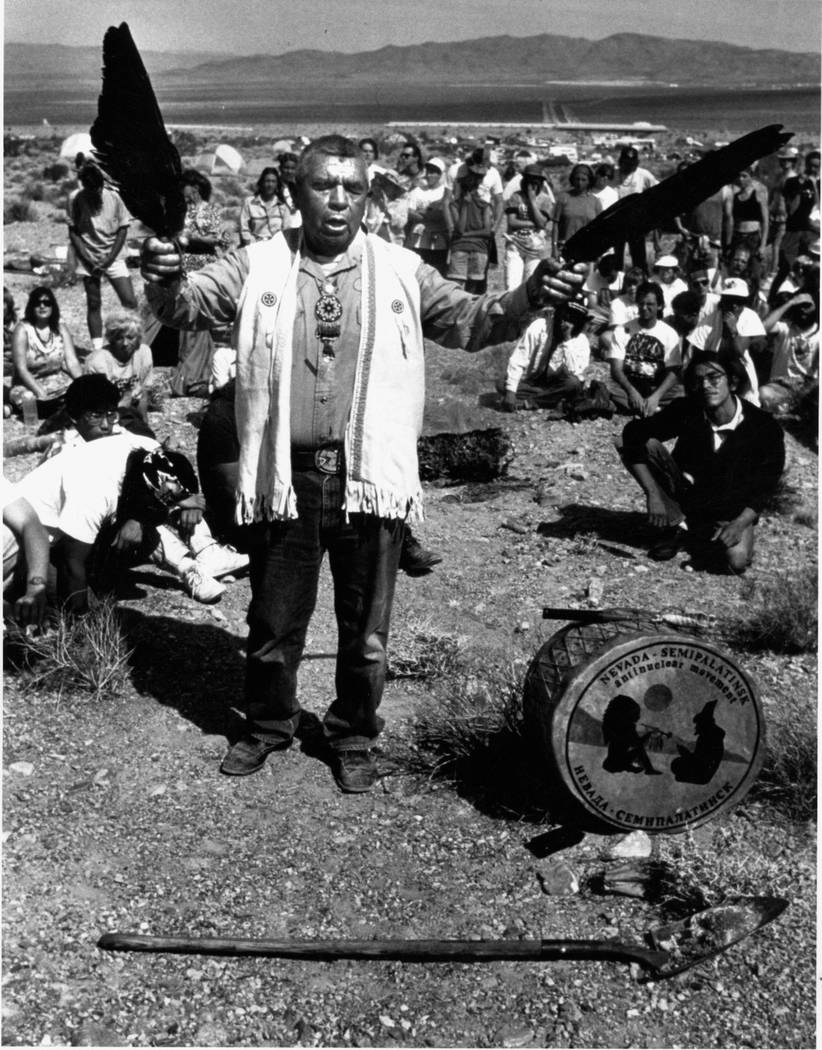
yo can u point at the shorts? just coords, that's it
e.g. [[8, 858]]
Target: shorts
[[117, 269], [467, 265]]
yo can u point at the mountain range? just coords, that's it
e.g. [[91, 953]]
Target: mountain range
[[485, 62]]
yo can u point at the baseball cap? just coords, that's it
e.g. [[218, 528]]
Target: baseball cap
[[734, 288], [436, 162], [666, 262]]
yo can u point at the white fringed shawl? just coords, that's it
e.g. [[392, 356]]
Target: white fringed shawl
[[382, 476]]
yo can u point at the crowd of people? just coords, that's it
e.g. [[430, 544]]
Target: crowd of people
[[303, 323]]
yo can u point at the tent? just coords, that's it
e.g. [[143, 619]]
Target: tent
[[74, 144], [227, 161]]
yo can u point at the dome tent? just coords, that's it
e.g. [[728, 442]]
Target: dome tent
[[77, 143], [227, 161]]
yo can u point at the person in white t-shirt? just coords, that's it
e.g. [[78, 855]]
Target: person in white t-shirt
[[666, 274], [645, 358], [733, 326], [631, 178], [522, 158], [794, 373], [543, 371], [604, 189], [622, 308]]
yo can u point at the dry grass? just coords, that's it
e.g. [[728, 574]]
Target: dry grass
[[782, 616], [87, 655], [417, 651]]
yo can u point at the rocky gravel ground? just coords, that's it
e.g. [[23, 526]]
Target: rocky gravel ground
[[115, 817]]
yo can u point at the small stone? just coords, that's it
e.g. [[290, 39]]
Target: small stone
[[641, 568], [23, 769], [569, 1012], [387, 1022], [558, 879], [636, 844], [92, 1034], [211, 1034], [514, 1034], [595, 591], [217, 614]]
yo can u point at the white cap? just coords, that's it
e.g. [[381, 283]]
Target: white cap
[[734, 288], [435, 162], [666, 262]]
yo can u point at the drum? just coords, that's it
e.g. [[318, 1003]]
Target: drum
[[642, 730]]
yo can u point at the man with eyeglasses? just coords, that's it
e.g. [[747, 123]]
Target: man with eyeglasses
[[728, 458]]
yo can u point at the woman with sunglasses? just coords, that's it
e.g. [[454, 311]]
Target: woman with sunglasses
[[43, 356]]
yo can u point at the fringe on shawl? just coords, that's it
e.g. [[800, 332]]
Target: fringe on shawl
[[363, 497], [279, 505]]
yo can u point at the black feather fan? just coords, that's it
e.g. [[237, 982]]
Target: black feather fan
[[641, 212], [130, 139]]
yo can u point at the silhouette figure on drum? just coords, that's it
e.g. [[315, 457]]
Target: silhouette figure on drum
[[698, 765], [626, 746]]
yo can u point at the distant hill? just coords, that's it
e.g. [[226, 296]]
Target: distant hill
[[503, 60], [27, 65]]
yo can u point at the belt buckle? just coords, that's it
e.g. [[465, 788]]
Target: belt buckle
[[327, 460]]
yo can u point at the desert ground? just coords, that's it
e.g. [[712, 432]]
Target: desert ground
[[116, 818]]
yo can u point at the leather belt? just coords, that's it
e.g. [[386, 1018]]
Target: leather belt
[[329, 460]]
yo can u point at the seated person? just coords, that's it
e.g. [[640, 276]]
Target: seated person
[[683, 319], [602, 285], [735, 327], [125, 360], [553, 368], [43, 356], [218, 454], [727, 460], [25, 560], [195, 558], [622, 308], [794, 371], [644, 357], [666, 274]]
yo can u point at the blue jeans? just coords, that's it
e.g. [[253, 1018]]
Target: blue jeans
[[363, 555]]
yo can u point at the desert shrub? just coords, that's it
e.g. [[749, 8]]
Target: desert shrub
[[19, 210], [185, 141], [479, 455], [782, 616], [55, 172], [787, 781], [472, 734], [33, 190], [418, 651], [85, 654]]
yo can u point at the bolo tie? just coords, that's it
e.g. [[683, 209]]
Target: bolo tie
[[328, 313]]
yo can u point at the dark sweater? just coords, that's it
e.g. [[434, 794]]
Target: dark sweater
[[743, 473]]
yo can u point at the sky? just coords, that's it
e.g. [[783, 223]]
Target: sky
[[275, 26]]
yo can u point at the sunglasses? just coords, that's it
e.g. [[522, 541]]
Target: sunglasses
[[42, 302], [408, 154], [700, 280]]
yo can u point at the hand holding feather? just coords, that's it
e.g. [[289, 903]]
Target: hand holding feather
[[553, 283], [161, 261]]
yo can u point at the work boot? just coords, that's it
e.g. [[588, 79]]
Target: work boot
[[415, 560], [248, 755], [354, 771]]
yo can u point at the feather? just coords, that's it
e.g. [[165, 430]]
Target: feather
[[130, 139], [640, 212]]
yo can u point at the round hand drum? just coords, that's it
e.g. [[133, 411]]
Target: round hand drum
[[652, 732]]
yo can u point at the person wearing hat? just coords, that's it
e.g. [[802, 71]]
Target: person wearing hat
[[548, 363], [666, 273], [528, 214], [794, 372], [735, 327], [631, 178], [428, 231], [473, 218], [725, 465]]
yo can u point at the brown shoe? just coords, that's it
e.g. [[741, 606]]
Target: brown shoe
[[248, 755], [354, 771]]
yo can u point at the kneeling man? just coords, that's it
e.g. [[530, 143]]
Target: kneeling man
[[727, 460]]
